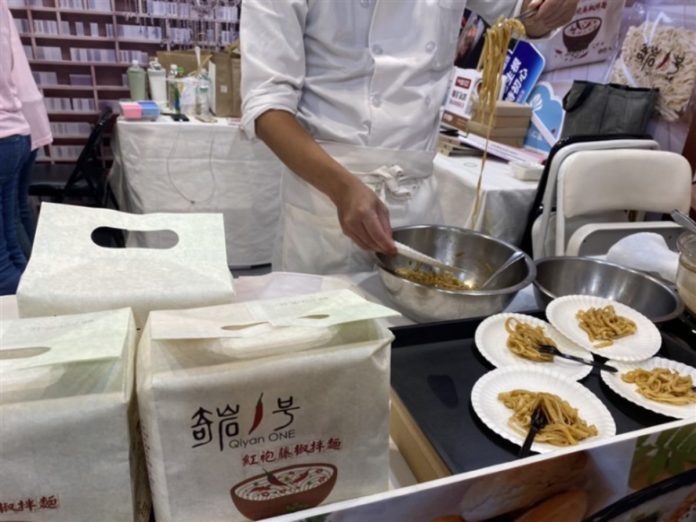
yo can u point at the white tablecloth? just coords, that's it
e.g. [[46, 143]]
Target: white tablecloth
[[164, 166], [505, 200]]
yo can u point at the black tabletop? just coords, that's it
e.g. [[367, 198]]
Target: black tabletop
[[435, 366]]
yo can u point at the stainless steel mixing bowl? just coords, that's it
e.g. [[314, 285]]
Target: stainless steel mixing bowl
[[477, 253], [559, 276]]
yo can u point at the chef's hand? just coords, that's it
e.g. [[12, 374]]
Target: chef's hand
[[551, 15], [364, 218]]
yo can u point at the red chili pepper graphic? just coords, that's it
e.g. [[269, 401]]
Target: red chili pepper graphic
[[664, 60], [258, 415], [272, 479], [301, 477]]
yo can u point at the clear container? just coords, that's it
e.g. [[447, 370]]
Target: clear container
[[686, 273], [203, 94], [158, 83], [172, 89]]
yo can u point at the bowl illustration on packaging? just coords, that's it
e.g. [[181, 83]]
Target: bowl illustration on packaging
[[578, 34], [284, 490]]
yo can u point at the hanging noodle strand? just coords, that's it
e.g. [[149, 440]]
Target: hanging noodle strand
[[491, 63]]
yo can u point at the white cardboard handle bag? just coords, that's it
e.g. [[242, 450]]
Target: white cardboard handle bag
[[255, 409], [69, 445], [69, 273]]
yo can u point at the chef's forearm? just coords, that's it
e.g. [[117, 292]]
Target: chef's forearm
[[300, 153]]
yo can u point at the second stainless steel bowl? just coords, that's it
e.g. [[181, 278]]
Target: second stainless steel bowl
[[559, 276]]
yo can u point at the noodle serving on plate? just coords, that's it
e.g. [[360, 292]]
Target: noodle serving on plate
[[564, 428], [524, 339], [662, 385], [491, 64], [603, 326]]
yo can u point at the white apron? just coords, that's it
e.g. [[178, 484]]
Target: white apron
[[310, 238]]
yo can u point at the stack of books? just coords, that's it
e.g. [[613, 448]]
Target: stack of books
[[510, 124]]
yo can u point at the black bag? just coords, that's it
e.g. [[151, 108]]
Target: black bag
[[599, 109]]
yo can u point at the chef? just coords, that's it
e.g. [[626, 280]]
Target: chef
[[347, 94]]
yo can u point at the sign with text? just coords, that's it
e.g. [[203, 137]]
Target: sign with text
[[547, 118], [459, 107], [523, 66]]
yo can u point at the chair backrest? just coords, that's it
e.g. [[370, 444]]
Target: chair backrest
[[88, 165], [624, 179], [545, 198], [590, 182]]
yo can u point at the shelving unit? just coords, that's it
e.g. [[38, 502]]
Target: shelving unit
[[81, 49]]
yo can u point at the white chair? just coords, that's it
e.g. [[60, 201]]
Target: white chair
[[591, 183], [541, 234]]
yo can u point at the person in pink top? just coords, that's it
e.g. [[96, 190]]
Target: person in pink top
[[15, 149], [34, 111]]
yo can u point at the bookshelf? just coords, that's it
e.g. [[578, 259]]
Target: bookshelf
[[79, 51]]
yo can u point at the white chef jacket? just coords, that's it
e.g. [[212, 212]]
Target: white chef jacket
[[364, 72], [366, 78]]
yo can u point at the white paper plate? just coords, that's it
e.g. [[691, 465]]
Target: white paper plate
[[637, 347], [491, 340], [629, 391], [484, 399]]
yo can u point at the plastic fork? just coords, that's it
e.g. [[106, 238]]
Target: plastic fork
[[538, 421], [552, 350]]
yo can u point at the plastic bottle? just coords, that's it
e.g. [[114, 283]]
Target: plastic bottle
[[203, 94], [136, 81], [186, 86], [172, 89], [158, 83]]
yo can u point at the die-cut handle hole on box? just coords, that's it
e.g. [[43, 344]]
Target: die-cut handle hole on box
[[237, 327], [22, 353], [110, 237]]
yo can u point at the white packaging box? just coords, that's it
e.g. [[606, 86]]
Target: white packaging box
[[191, 273], [70, 440], [212, 404]]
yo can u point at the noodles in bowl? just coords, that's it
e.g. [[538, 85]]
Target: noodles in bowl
[[476, 254], [441, 279]]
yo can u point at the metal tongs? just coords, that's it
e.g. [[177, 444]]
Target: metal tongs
[[529, 12], [419, 256]]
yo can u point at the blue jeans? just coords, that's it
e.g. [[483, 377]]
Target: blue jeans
[[14, 152], [26, 221]]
